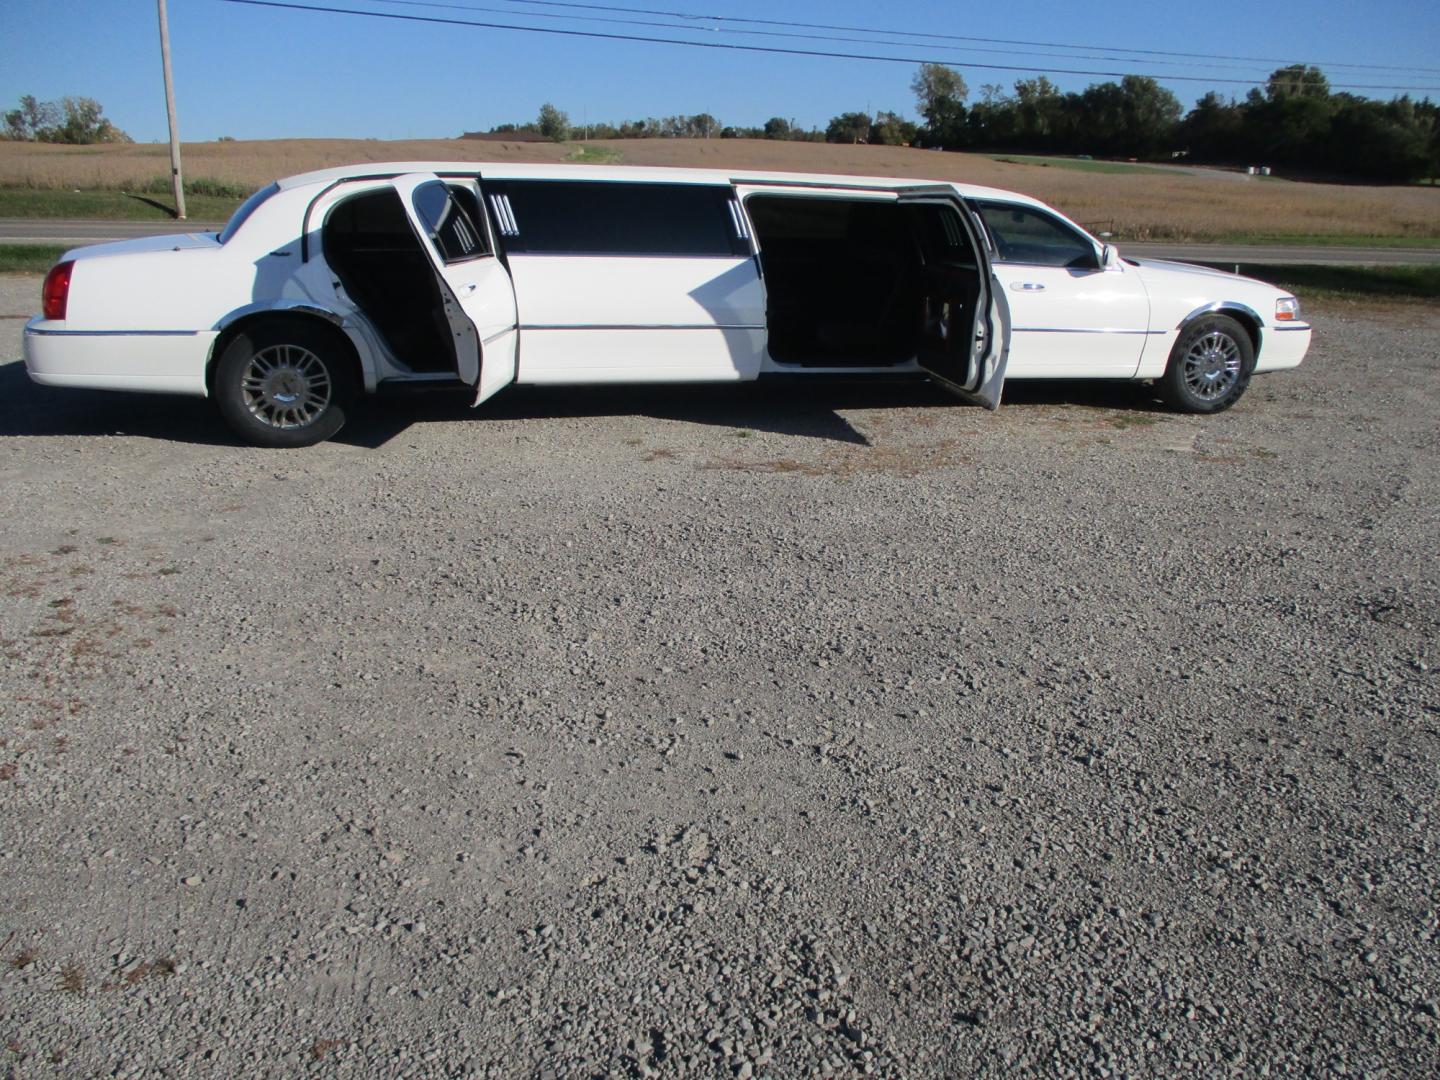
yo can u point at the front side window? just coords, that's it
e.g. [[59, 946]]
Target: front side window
[[1023, 234], [588, 217], [455, 232]]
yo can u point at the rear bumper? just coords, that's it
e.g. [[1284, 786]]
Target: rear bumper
[[167, 362]]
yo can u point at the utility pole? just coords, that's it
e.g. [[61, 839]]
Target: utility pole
[[175, 177]]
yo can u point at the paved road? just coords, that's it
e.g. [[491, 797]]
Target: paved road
[[1287, 254], [59, 231], [21, 231]]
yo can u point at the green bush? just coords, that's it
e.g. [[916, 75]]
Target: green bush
[[219, 189]]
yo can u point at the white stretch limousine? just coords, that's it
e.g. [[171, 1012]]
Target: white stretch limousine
[[336, 282]]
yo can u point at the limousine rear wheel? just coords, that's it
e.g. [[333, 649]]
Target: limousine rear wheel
[[285, 383], [1210, 366]]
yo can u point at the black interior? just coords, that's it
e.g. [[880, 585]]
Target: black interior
[[850, 283], [372, 249], [864, 283]]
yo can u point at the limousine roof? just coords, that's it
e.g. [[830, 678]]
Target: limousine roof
[[632, 174]]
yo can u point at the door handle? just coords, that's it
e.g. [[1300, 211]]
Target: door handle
[[1027, 286], [468, 289]]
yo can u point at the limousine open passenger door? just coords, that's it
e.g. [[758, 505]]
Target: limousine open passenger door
[[476, 293], [965, 339]]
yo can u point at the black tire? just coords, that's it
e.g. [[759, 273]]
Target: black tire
[[1210, 366], [285, 383]]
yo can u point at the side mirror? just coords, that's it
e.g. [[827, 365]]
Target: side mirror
[[1110, 257]]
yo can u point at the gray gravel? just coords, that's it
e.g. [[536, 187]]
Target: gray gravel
[[728, 732]]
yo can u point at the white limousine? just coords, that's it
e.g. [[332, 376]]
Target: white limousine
[[334, 283]]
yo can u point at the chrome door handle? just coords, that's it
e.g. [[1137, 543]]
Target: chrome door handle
[[1027, 286]]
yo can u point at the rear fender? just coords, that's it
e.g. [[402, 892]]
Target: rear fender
[[233, 323]]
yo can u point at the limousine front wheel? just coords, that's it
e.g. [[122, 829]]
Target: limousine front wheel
[[1210, 365], [284, 383]]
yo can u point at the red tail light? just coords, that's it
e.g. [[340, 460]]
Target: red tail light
[[56, 291]]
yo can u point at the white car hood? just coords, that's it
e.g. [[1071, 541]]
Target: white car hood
[[169, 242], [1164, 266]]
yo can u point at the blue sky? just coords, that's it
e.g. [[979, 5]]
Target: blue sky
[[253, 73]]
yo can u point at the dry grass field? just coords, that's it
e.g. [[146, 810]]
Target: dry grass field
[[1179, 205]]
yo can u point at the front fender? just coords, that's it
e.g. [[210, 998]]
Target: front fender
[[1244, 314]]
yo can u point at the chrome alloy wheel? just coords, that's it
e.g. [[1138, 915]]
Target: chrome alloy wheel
[[1212, 366], [286, 386]]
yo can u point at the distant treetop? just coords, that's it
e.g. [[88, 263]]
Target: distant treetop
[[76, 120]]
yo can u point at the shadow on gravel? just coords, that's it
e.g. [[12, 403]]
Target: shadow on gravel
[[29, 410], [803, 411], [1096, 393], [806, 411]]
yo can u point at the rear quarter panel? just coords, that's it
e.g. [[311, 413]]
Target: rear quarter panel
[[157, 290]]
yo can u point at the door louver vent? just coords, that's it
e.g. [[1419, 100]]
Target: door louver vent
[[737, 220], [504, 215]]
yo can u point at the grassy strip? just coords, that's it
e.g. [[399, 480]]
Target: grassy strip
[[214, 202], [110, 205], [1164, 234], [1348, 282], [1316, 240], [594, 155], [29, 258], [1079, 164]]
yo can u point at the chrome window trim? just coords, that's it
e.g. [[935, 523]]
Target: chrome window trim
[[732, 257], [1080, 330], [43, 332], [642, 326]]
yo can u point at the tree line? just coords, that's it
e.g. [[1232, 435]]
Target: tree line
[[76, 120], [1294, 122], [554, 123]]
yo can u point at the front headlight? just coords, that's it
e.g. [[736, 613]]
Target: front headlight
[[1287, 309]]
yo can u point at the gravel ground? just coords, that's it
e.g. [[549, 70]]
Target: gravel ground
[[728, 732]]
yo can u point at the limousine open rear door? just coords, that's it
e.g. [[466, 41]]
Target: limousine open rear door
[[476, 293], [966, 337]]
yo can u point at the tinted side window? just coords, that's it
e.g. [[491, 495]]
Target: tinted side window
[[455, 233], [941, 235], [584, 217], [1023, 234]]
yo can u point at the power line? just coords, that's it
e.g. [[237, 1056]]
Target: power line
[[958, 49], [772, 49], [953, 37]]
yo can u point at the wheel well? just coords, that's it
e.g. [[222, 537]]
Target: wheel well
[[239, 326], [1247, 322]]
